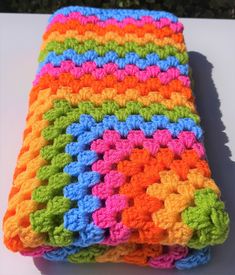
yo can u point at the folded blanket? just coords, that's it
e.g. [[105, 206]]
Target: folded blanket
[[113, 166]]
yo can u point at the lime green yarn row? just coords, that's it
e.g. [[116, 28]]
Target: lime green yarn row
[[207, 218], [121, 50], [64, 114], [49, 219], [52, 174], [88, 255], [41, 220], [131, 108]]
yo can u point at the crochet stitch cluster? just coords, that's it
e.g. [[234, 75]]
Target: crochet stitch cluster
[[112, 166]]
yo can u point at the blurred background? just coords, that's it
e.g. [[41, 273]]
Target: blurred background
[[182, 8]]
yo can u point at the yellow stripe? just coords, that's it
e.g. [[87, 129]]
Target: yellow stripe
[[56, 36]]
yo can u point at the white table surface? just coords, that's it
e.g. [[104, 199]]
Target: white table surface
[[211, 46]]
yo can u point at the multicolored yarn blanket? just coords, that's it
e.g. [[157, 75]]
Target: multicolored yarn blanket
[[112, 166]]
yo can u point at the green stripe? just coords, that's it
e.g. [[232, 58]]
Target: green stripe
[[88, 254], [64, 114], [208, 218], [121, 50]]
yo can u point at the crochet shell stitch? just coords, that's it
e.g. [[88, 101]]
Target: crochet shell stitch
[[113, 166]]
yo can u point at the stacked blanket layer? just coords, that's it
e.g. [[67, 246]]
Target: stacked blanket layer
[[112, 166]]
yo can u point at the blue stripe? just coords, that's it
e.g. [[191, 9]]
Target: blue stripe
[[194, 259], [118, 14], [111, 56], [88, 129], [61, 254]]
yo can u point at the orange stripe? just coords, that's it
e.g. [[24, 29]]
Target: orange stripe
[[139, 31], [110, 81]]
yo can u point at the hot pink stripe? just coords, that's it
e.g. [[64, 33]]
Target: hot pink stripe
[[176, 27], [122, 148], [168, 259], [106, 217], [111, 68], [38, 252]]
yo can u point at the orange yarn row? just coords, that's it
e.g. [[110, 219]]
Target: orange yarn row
[[110, 81], [82, 29], [20, 204]]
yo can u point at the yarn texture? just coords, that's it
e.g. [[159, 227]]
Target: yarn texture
[[113, 166]]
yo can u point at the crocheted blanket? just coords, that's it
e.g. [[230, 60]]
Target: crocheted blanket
[[113, 166]]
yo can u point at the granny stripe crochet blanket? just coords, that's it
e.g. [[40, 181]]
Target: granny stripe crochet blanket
[[112, 166]]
